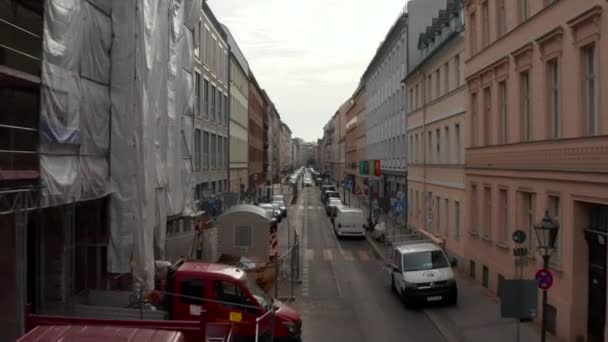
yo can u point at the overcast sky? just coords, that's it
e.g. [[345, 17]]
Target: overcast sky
[[308, 55]]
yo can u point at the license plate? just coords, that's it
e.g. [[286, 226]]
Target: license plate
[[433, 298]]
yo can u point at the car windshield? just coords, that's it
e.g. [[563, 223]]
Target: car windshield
[[427, 260], [260, 296]]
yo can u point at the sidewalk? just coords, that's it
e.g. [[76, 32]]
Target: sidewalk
[[477, 316]]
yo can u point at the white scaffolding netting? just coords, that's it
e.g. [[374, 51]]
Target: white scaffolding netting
[[116, 117]]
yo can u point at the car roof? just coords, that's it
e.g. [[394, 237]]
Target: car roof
[[195, 266], [417, 247], [346, 209], [335, 199]]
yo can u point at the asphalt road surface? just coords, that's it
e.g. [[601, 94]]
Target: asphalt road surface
[[345, 293]]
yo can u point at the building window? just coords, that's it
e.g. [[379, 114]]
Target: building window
[[527, 217], [487, 219], [212, 102], [504, 216], [411, 147], [446, 218], [524, 10], [438, 213], [457, 220], [590, 89], [554, 212], [213, 151], [472, 268], [437, 83], [429, 88], [457, 71], [502, 18], [417, 149], [447, 145], [438, 145], [473, 33], [429, 152], [474, 130], [526, 115], [411, 105], [197, 149], [554, 110], [502, 107], [417, 203], [474, 208], [485, 276], [487, 120], [206, 150], [485, 22], [218, 113], [197, 37], [446, 77], [206, 97], [458, 145], [197, 92]]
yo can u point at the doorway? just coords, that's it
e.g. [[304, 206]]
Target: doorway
[[596, 235]]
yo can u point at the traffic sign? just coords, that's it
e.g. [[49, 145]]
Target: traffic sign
[[357, 190], [544, 279], [519, 236]]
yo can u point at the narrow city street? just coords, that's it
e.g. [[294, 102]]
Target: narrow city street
[[344, 294]]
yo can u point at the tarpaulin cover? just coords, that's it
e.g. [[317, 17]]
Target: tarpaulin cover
[[117, 106]]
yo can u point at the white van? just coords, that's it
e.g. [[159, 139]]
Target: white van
[[349, 221], [421, 272]]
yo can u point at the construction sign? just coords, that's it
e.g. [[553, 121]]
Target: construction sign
[[358, 190]]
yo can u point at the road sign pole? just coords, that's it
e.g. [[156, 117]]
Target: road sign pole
[[543, 331]]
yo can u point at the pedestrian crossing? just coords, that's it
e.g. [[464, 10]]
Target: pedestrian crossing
[[330, 254], [311, 207]]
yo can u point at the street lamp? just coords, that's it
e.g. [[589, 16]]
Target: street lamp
[[546, 234]]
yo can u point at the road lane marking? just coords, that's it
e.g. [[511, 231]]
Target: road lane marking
[[363, 255], [327, 255], [310, 254], [348, 256]]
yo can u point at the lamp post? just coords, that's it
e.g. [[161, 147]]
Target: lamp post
[[546, 234]]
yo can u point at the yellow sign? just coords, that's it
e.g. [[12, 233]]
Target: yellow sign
[[236, 317]]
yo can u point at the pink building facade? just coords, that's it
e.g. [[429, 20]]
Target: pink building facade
[[535, 73]]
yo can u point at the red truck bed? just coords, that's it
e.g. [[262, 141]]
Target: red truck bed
[[192, 331], [53, 333]]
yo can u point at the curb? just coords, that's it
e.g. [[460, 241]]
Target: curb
[[442, 327], [377, 250]]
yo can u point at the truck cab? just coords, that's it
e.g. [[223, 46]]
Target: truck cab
[[224, 294]]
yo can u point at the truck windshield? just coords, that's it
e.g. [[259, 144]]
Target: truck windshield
[[260, 296], [424, 261]]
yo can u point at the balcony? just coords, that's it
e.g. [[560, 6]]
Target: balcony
[[585, 155]]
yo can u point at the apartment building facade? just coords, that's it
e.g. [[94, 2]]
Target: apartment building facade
[[436, 127], [285, 148], [385, 122], [538, 143], [355, 138], [212, 120], [256, 138], [239, 118]]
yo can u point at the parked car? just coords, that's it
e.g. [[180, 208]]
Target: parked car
[[279, 198], [327, 194], [273, 210], [348, 221], [307, 182], [282, 207], [421, 272], [331, 205]]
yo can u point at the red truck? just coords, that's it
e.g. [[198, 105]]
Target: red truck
[[199, 295]]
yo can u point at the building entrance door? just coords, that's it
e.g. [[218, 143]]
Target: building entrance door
[[596, 236]]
